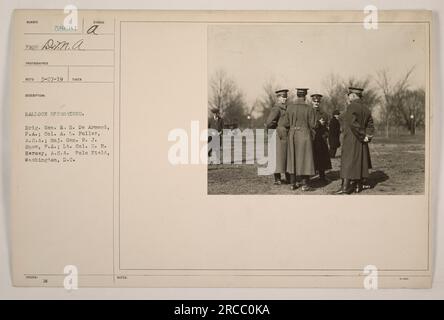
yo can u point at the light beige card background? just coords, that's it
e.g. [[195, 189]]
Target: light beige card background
[[130, 218]]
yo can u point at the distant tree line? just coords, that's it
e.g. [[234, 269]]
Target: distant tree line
[[396, 107]]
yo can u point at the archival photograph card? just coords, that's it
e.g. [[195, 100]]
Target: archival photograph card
[[221, 149]]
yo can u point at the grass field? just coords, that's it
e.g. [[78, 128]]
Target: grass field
[[398, 168]]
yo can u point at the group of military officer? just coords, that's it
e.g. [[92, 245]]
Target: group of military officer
[[302, 132]]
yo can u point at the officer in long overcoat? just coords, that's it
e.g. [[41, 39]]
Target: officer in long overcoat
[[301, 120], [334, 132], [358, 130], [321, 153], [275, 121]]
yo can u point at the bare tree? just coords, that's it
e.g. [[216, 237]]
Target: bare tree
[[335, 94], [411, 111], [268, 99], [226, 97], [252, 112], [221, 88], [265, 102], [392, 95]]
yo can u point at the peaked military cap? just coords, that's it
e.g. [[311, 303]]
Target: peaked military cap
[[301, 91], [358, 91], [282, 93], [316, 96]]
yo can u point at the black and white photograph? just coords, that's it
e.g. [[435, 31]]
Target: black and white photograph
[[244, 153], [343, 103]]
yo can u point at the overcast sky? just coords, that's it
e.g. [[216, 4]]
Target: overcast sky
[[305, 55]]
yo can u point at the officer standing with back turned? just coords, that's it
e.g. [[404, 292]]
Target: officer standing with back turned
[[301, 120], [358, 130], [275, 121]]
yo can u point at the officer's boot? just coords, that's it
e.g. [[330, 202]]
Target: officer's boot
[[346, 188], [305, 186], [358, 186], [287, 178], [322, 176], [342, 189], [277, 179], [293, 185], [365, 185]]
